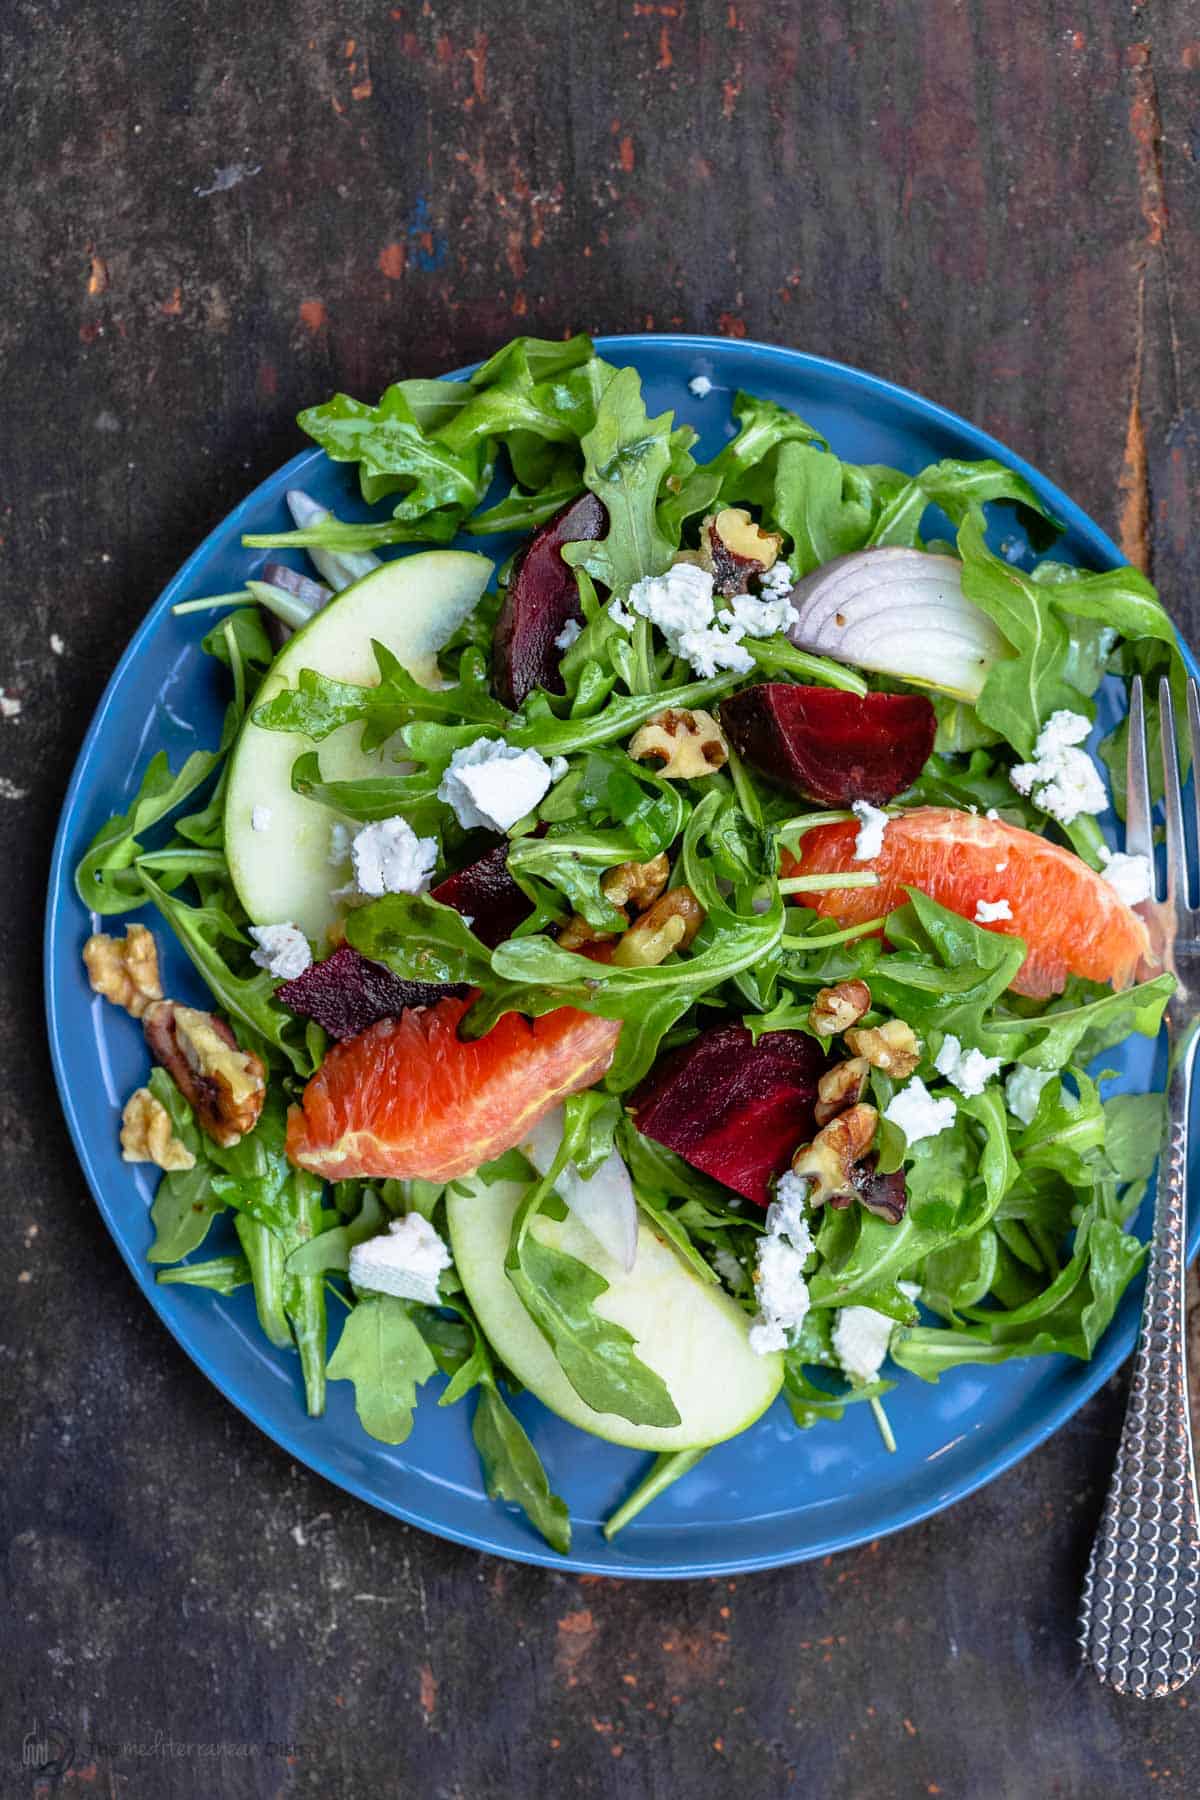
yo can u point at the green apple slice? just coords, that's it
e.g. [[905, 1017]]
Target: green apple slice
[[282, 872], [688, 1331]]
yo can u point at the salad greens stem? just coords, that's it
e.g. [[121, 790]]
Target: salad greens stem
[[773, 654], [822, 884], [824, 940], [664, 1471], [211, 604], [884, 1424]]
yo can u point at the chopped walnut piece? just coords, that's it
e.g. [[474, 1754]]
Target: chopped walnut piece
[[733, 547], [577, 932], [893, 1047], [124, 970], [686, 745], [843, 1086], [147, 1134], [223, 1084], [636, 884], [828, 1162], [837, 1008], [670, 924]]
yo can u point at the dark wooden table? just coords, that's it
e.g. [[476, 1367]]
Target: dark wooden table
[[215, 213]]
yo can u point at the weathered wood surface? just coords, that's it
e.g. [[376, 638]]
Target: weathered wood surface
[[216, 213]]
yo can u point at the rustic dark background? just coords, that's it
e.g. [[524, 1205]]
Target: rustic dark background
[[217, 212]]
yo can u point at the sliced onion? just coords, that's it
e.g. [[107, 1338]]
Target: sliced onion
[[604, 1203], [339, 567], [898, 612], [312, 595]]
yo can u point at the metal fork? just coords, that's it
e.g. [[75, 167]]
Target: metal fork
[[1139, 1622]]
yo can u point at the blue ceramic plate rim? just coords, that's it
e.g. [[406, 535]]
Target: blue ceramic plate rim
[[1046, 1419]]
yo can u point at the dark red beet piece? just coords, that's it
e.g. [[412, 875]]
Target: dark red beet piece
[[541, 596], [347, 992], [732, 1108], [487, 894], [830, 746]]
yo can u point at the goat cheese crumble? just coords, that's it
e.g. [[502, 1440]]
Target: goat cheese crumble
[[872, 822], [406, 1261], [260, 818], [776, 582], [681, 604], [862, 1337], [917, 1114], [568, 634], [783, 1250], [283, 950], [1023, 1090], [1062, 779], [988, 911], [701, 386], [1130, 875], [491, 784], [968, 1070], [389, 858]]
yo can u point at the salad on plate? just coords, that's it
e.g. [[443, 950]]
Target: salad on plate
[[666, 972]]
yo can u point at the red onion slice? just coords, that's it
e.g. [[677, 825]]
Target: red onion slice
[[898, 612]]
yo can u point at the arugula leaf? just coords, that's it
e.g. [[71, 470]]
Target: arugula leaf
[[221, 1275], [318, 704], [249, 999], [512, 1469], [956, 487], [105, 879], [411, 932], [627, 455], [329, 1251], [384, 1355], [392, 451], [374, 796], [1081, 1023], [666, 1469], [184, 1204]]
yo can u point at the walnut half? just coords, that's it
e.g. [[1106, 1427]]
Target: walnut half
[[837, 1008], [670, 924], [733, 547], [636, 884], [841, 1087], [829, 1161], [147, 1134], [223, 1084], [686, 745], [124, 970], [893, 1047]]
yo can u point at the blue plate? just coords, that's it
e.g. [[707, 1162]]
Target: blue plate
[[769, 1497]]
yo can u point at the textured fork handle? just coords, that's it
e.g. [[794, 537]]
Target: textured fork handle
[[1140, 1617]]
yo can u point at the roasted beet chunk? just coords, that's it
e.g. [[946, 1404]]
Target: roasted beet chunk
[[830, 746], [732, 1108], [347, 992], [541, 597], [486, 894]]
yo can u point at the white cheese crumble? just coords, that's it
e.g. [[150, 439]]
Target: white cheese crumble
[[783, 1298], [680, 603], [862, 1336], [872, 822], [283, 950], [491, 784], [558, 767], [968, 1070], [917, 1114], [988, 911], [260, 818], [991, 813], [405, 1261], [776, 582], [568, 634], [701, 386], [339, 844], [1130, 875], [389, 858], [1062, 779], [1023, 1090], [764, 617]]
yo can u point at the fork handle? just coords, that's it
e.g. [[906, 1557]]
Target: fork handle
[[1140, 1616]]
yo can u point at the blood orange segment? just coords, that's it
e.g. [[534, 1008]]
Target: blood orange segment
[[1071, 919], [408, 1098]]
